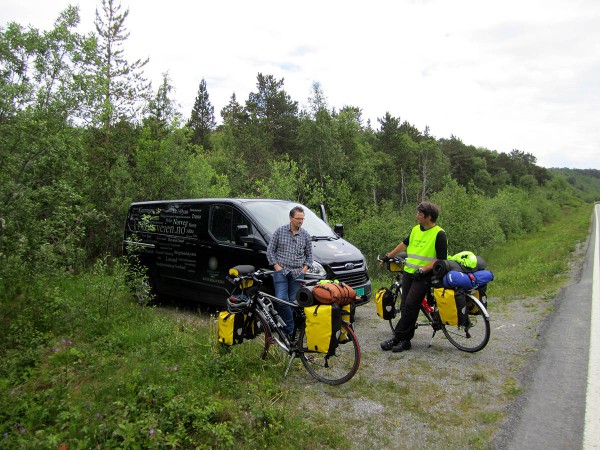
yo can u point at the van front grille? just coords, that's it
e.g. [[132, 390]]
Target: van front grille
[[347, 265], [350, 272], [353, 279]]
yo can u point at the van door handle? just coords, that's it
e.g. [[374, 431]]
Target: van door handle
[[205, 246]]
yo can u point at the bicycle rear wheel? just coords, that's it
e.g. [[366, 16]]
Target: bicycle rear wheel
[[472, 337], [332, 369]]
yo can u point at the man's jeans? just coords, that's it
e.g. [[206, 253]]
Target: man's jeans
[[286, 288]]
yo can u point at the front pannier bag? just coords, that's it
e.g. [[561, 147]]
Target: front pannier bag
[[384, 299], [323, 325], [231, 328], [452, 306]]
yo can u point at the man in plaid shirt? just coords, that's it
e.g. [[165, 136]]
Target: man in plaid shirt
[[290, 254]]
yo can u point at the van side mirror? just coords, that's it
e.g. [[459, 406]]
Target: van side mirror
[[339, 229], [240, 232], [242, 237], [254, 242]]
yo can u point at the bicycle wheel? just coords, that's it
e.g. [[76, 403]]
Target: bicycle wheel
[[332, 369], [397, 300], [471, 337], [257, 337]]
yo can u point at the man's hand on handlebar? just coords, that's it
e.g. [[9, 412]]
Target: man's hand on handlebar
[[383, 259]]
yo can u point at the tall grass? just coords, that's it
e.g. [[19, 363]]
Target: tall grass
[[103, 372], [538, 263]]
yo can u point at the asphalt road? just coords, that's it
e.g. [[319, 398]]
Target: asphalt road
[[560, 406]]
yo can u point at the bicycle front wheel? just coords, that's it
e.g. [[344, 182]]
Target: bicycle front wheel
[[472, 337], [394, 321], [336, 368], [397, 301]]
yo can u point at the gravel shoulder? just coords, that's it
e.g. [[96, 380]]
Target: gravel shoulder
[[434, 395]]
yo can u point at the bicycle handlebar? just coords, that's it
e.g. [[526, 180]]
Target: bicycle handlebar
[[400, 258], [257, 276]]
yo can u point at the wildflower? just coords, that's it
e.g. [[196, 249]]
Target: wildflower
[[151, 432]]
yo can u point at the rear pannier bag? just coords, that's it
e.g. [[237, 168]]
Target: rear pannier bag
[[452, 306], [252, 327], [384, 300], [323, 326], [481, 295], [334, 292], [231, 327]]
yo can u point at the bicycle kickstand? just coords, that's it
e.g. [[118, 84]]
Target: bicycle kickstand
[[292, 357], [432, 336]]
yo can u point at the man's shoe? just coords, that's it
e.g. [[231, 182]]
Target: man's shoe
[[401, 346], [389, 344]]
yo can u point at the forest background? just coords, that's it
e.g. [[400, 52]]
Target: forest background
[[83, 134]]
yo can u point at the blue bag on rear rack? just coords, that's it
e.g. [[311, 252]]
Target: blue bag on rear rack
[[482, 277], [459, 280]]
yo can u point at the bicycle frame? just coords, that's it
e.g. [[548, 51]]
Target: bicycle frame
[[274, 319]]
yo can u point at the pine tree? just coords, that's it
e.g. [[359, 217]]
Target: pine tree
[[202, 120], [162, 111], [122, 86], [274, 114]]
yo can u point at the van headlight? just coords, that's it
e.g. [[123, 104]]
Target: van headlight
[[317, 270]]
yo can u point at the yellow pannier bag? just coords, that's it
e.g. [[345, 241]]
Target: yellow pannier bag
[[348, 312], [480, 294], [323, 325], [231, 327], [451, 307], [384, 301]]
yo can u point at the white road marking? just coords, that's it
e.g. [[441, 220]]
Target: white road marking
[[591, 432]]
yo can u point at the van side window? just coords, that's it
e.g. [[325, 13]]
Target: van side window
[[224, 221]]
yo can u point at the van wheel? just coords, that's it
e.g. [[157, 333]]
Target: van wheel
[[145, 290]]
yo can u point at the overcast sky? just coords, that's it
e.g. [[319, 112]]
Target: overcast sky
[[503, 75]]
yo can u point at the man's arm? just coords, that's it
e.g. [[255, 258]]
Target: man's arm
[[272, 249]]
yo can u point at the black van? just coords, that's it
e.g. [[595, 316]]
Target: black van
[[188, 246]]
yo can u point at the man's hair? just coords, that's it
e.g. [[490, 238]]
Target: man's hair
[[429, 210], [296, 209]]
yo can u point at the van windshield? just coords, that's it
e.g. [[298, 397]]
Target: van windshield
[[274, 214]]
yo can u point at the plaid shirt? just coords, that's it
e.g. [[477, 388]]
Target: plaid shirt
[[290, 251]]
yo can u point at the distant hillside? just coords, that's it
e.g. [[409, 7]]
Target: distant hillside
[[585, 181]]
